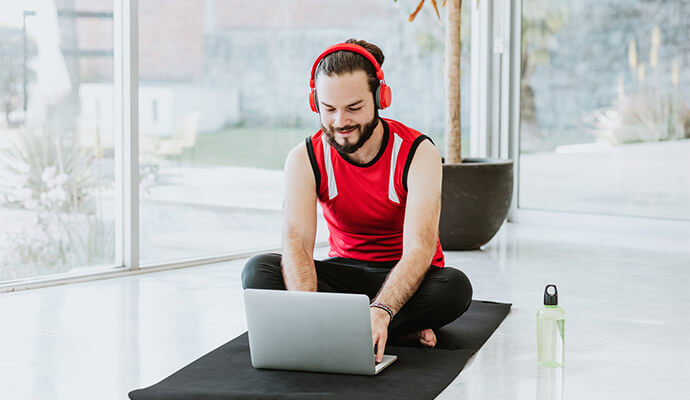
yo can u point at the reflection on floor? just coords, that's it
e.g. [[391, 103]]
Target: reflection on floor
[[627, 303]]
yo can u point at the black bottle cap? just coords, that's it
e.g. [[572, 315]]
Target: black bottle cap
[[550, 299]]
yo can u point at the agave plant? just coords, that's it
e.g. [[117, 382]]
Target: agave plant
[[642, 118], [47, 171], [47, 176]]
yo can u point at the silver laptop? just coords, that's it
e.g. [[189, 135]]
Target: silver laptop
[[311, 331]]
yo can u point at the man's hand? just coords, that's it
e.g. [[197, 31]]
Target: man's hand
[[379, 330]]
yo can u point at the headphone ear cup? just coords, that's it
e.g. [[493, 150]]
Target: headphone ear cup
[[313, 101], [383, 96], [377, 97]]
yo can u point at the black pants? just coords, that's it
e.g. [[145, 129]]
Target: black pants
[[444, 294]]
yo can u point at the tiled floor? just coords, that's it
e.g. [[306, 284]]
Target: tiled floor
[[627, 303]]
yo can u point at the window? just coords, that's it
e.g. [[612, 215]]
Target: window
[[56, 161], [231, 79], [605, 119], [223, 90]]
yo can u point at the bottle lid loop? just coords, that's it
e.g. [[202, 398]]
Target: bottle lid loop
[[551, 299]]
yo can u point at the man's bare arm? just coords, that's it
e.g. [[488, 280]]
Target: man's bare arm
[[299, 222], [420, 231]]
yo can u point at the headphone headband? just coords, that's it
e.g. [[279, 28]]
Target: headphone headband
[[347, 47], [382, 97]]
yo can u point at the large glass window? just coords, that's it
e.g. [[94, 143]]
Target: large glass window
[[223, 98], [56, 154], [605, 119]]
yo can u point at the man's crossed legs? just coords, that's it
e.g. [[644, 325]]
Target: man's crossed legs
[[444, 294]]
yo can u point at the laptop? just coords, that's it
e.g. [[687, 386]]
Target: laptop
[[311, 331]]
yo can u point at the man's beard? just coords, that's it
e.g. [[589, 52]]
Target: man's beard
[[365, 133]]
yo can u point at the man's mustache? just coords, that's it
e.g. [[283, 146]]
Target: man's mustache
[[345, 129]]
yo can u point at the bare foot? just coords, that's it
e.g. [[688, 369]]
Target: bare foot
[[427, 337]]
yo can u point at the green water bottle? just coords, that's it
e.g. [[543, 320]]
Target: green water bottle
[[551, 331]]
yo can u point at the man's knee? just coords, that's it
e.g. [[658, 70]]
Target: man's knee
[[262, 271], [455, 293]]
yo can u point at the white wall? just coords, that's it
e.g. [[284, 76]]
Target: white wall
[[218, 107]]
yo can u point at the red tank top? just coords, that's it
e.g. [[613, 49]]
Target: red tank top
[[364, 205]]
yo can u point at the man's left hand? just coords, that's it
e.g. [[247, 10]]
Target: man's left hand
[[379, 330]]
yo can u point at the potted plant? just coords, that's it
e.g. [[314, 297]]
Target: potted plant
[[476, 192]]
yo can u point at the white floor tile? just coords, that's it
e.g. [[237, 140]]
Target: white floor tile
[[627, 306]]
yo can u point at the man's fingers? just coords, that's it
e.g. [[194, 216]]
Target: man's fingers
[[380, 347], [379, 351], [377, 346]]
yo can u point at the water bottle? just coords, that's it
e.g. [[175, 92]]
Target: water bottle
[[550, 331]]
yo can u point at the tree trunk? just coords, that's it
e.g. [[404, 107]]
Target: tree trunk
[[452, 75]]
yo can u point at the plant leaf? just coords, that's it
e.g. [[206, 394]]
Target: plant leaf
[[414, 14], [433, 3]]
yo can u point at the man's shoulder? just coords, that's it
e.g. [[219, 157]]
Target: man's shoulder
[[314, 138], [405, 132]]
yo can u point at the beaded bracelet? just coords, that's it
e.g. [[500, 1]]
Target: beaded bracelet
[[383, 307]]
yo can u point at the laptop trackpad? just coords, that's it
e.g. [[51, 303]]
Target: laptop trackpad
[[387, 360]]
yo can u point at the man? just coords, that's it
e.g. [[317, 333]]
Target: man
[[379, 185]]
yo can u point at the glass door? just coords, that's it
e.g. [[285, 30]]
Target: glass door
[[605, 108]]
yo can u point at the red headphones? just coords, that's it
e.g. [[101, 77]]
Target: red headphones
[[383, 92]]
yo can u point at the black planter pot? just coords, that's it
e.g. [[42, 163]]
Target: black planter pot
[[475, 200]]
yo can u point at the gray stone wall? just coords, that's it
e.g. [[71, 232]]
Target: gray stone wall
[[588, 56], [270, 68]]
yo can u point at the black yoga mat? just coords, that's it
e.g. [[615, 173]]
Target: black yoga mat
[[419, 372]]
